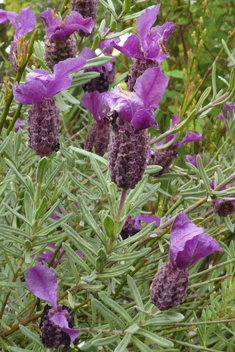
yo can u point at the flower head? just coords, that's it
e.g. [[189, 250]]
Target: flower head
[[87, 9], [223, 207], [56, 323], [26, 23], [137, 108], [132, 225], [150, 42], [228, 108], [189, 243], [60, 30], [40, 84]]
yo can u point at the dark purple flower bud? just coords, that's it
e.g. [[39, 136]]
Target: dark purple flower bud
[[169, 287], [56, 326], [188, 244], [87, 8], [60, 44], [128, 154], [53, 336], [98, 137], [43, 127], [165, 157], [223, 207], [101, 83], [148, 48], [132, 225], [99, 134]]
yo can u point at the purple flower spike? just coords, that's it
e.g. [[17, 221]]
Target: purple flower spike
[[189, 243], [42, 282], [27, 21], [59, 30], [228, 108]]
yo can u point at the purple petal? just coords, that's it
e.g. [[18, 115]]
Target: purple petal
[[131, 47], [221, 116], [85, 24], [190, 137], [175, 120], [30, 93], [19, 124], [61, 80], [60, 320], [46, 257], [94, 103], [146, 20], [9, 16], [107, 43], [151, 86], [149, 219], [87, 54], [189, 243], [27, 20], [192, 158], [42, 282], [56, 217], [144, 119]]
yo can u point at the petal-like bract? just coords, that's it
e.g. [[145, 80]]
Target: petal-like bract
[[189, 243], [42, 282]]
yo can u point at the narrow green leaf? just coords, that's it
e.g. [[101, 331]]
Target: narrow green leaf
[[134, 291], [40, 208], [18, 215], [86, 153], [165, 318], [41, 169], [88, 344], [85, 77], [229, 224], [20, 177], [30, 335], [203, 175], [139, 344], [98, 61], [155, 338], [72, 254], [116, 307], [131, 256], [151, 169], [105, 341], [123, 344], [69, 97], [5, 143], [108, 314]]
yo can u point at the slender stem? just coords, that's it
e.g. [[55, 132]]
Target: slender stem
[[17, 79], [56, 251], [197, 347], [14, 118], [64, 7], [217, 153], [96, 331], [24, 322], [212, 268], [122, 202], [209, 281], [80, 44]]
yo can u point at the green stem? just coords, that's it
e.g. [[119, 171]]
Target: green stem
[[217, 153], [56, 251], [193, 346], [213, 268], [122, 202], [209, 281], [14, 118], [17, 79], [63, 7]]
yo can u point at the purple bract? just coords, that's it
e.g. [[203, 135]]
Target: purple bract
[[26, 23], [60, 30], [189, 243], [107, 43], [42, 282], [40, 84]]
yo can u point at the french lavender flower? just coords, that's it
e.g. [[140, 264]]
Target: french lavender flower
[[99, 134], [228, 108], [188, 244], [223, 207], [148, 48], [26, 23], [43, 116], [165, 157], [133, 113], [101, 83], [107, 46], [87, 8], [56, 323], [60, 43], [132, 225]]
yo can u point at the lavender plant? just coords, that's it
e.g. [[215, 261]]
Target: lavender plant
[[90, 210]]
